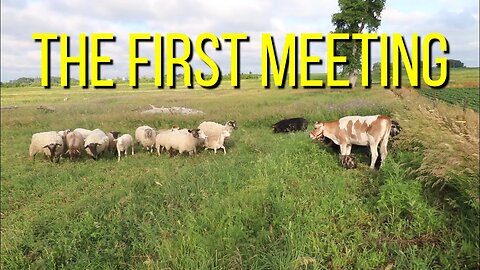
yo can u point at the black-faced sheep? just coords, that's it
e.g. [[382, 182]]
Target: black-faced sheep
[[50, 143], [96, 143]]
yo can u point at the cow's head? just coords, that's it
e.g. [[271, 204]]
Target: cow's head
[[317, 132]]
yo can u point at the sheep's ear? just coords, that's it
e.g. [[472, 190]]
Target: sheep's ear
[[46, 146], [190, 130], [85, 147]]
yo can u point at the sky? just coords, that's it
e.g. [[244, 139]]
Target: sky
[[457, 20]]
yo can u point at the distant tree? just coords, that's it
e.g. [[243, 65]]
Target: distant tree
[[355, 16], [452, 63]]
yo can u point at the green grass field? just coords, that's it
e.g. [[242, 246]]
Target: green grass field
[[275, 201], [455, 96]]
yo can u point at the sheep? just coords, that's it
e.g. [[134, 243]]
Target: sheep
[[84, 132], [145, 136], [49, 142], [123, 143], [215, 142], [181, 141], [96, 143], [74, 142], [161, 140], [214, 130]]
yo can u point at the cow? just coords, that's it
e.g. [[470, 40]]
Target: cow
[[369, 131], [289, 125]]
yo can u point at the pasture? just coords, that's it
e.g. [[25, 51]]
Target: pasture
[[274, 201]]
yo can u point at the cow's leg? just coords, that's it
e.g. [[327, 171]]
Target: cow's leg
[[374, 152], [348, 150], [343, 149]]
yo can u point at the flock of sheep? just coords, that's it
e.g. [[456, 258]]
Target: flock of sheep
[[53, 144]]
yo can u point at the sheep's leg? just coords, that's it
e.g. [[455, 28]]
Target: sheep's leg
[[214, 150], [224, 150], [119, 155]]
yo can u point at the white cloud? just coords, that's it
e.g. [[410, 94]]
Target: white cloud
[[457, 20]]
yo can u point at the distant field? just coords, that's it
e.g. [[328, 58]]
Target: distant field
[[455, 96], [274, 201]]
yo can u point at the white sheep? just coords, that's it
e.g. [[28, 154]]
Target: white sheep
[[145, 136], [83, 131], [96, 143], [216, 142], [212, 129], [181, 141], [49, 142], [123, 143], [75, 143], [162, 138]]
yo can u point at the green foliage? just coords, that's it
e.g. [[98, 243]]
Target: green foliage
[[355, 17], [455, 96], [453, 63]]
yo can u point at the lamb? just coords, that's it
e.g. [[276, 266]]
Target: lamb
[[215, 142], [181, 141], [74, 142], [84, 132], [123, 143], [214, 130], [49, 142], [96, 143], [145, 136]]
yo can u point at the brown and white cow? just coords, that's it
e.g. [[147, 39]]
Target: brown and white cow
[[359, 130]]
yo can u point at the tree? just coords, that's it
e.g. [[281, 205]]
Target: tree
[[355, 16], [453, 63]]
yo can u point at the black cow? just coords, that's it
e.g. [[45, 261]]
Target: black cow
[[395, 129], [290, 125]]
